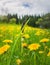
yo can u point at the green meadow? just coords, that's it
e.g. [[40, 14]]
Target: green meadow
[[32, 47]]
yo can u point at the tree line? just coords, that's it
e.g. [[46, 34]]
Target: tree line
[[35, 21]]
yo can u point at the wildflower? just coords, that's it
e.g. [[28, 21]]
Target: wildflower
[[24, 45], [4, 49], [8, 41], [48, 53], [37, 33], [3, 28], [18, 61], [33, 46], [26, 36], [41, 52], [44, 40]]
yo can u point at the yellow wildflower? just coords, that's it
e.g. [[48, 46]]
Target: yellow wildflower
[[3, 28], [18, 61], [48, 53], [24, 45], [37, 33], [8, 41], [26, 35], [34, 46], [44, 40], [4, 49]]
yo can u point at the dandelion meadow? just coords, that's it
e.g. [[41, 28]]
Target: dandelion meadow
[[32, 47], [24, 32]]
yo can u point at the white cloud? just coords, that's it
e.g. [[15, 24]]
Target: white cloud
[[16, 6]]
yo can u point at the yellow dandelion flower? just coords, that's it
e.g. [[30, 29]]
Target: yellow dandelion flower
[[8, 41], [41, 52], [37, 33], [44, 40], [34, 46], [18, 61], [3, 28], [4, 49], [48, 53], [26, 35], [24, 45]]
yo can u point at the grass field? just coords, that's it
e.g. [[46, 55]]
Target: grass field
[[32, 47]]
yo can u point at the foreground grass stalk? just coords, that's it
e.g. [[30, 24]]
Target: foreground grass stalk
[[31, 58], [34, 58], [21, 36], [25, 24], [13, 48], [12, 51], [44, 58]]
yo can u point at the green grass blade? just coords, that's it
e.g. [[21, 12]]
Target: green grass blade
[[12, 51]]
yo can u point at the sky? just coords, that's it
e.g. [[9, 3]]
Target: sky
[[24, 7]]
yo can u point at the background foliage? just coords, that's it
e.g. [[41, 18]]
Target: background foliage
[[35, 21]]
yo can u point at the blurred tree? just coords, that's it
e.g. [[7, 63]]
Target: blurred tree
[[44, 21], [3, 19], [13, 21]]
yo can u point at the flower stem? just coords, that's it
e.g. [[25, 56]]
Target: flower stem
[[44, 58], [34, 58]]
